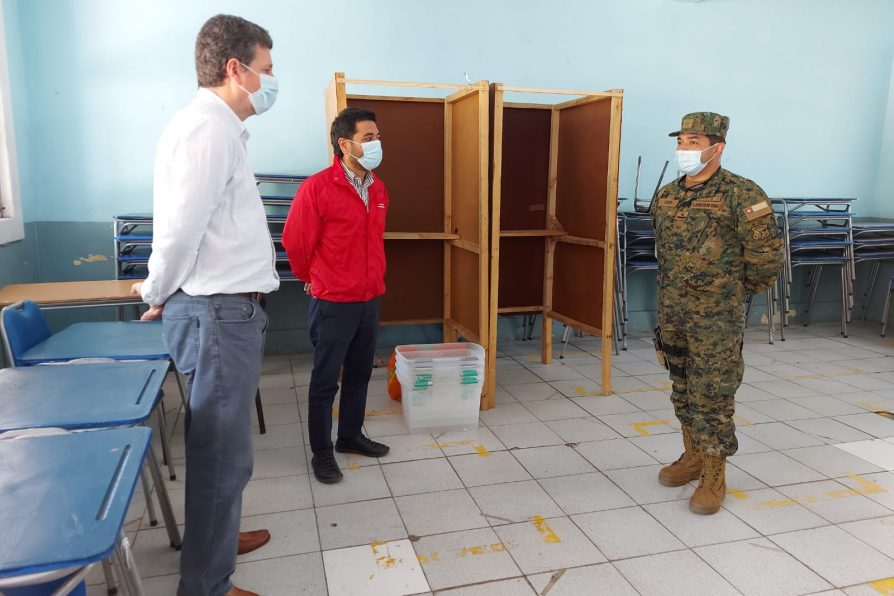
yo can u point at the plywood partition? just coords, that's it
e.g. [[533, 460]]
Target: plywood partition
[[554, 194], [435, 142]]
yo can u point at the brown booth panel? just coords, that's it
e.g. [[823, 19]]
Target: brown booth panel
[[414, 280], [521, 272], [524, 182], [465, 173], [413, 162], [465, 290], [578, 280], [583, 168]]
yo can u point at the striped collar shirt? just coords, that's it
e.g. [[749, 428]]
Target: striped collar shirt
[[361, 185]]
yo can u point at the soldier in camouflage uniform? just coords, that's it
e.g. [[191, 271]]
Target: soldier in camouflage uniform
[[716, 241]]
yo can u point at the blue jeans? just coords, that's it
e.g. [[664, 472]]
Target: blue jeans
[[217, 342], [343, 335]]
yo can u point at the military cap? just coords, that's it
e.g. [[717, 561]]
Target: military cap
[[703, 123]]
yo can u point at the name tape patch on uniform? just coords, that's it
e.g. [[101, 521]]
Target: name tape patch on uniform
[[711, 204], [758, 210], [667, 202]]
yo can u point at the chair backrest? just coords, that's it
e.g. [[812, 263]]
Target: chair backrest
[[22, 326]]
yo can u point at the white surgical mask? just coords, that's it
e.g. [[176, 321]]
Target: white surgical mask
[[690, 162], [372, 154], [264, 98]]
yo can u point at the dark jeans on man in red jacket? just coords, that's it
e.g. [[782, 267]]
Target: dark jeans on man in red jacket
[[344, 336]]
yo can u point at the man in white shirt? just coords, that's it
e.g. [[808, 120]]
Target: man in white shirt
[[212, 258]]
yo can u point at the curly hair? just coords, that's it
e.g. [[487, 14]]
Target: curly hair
[[223, 37]]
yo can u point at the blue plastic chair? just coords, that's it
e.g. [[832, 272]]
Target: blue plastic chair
[[22, 326]]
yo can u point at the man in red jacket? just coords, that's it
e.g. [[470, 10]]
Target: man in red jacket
[[334, 237]]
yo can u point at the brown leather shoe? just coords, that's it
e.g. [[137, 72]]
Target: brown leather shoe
[[234, 591], [251, 541], [685, 469], [711, 490]]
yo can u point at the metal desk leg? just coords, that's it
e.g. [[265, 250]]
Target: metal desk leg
[[130, 576], [260, 409], [147, 491], [887, 307], [111, 586], [161, 492], [163, 435]]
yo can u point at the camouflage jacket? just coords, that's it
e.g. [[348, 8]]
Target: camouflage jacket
[[714, 244]]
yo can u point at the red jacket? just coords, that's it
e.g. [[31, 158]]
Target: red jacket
[[333, 241]]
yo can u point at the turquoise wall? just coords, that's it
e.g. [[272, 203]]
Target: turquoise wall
[[807, 83]]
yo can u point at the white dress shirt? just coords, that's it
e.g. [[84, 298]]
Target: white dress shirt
[[210, 233]]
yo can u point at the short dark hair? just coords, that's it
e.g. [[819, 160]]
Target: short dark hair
[[223, 37], [345, 125], [716, 139]]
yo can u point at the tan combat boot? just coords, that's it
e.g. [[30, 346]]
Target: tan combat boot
[[712, 488], [685, 469]]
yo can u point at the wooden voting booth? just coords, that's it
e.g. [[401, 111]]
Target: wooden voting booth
[[437, 234], [554, 176]]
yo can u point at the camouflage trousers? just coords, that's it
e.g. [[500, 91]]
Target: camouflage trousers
[[706, 368]]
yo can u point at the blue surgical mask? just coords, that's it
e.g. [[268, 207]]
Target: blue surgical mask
[[690, 162], [372, 154], [264, 98]]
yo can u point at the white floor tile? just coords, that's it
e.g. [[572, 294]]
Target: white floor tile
[[495, 468], [758, 567], [748, 393], [561, 408], [662, 574], [579, 388], [410, 448], [301, 574], [508, 587], [828, 430], [832, 461], [548, 462], [163, 585], [664, 448], [462, 558], [877, 452], [699, 530], [153, 553], [779, 435], [274, 495], [776, 469], [354, 524], [615, 454], [581, 430], [623, 533], [421, 476], [385, 569], [643, 486], [273, 463], [834, 502], [359, 484], [514, 502], [586, 493], [821, 549], [648, 400], [278, 437], [877, 533], [480, 441], [548, 544], [558, 371], [529, 434], [291, 533], [583, 580], [507, 414], [770, 512], [783, 410], [435, 513], [526, 392], [604, 406]]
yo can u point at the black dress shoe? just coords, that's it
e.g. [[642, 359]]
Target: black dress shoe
[[326, 468], [361, 446]]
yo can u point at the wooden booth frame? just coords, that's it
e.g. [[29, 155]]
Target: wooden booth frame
[[437, 231], [556, 211]]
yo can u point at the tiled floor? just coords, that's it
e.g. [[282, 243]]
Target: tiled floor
[[557, 492]]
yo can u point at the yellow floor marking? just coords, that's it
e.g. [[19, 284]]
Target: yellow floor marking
[[743, 421], [867, 487], [584, 393], [545, 531], [883, 586], [353, 465], [640, 427], [780, 503], [737, 493], [384, 561], [481, 450]]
